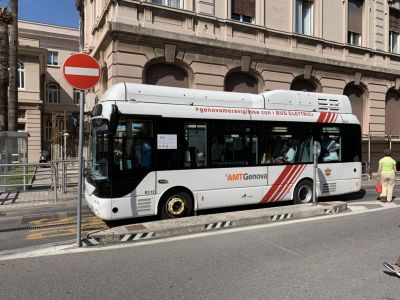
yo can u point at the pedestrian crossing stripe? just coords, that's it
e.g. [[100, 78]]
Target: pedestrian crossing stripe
[[218, 225], [281, 217], [87, 242], [137, 236], [332, 210]]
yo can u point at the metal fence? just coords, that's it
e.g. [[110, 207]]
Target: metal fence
[[373, 146], [52, 182]]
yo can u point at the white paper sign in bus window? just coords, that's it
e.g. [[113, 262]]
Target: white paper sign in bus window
[[167, 141]]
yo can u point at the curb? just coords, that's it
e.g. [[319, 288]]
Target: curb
[[206, 223]]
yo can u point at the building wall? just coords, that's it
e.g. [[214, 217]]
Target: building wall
[[29, 97], [202, 39], [35, 40]]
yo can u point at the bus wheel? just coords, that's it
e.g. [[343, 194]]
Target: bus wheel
[[303, 192], [177, 205]]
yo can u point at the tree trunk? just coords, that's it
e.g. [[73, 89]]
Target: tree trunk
[[13, 87], [5, 19]]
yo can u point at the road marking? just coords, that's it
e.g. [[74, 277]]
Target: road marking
[[91, 223], [357, 208]]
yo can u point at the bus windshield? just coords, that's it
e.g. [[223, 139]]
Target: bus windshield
[[132, 148], [98, 150]]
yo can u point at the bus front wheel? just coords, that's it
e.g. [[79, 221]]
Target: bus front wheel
[[303, 192], [176, 205]]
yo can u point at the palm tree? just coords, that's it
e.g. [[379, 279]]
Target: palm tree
[[5, 20], [13, 87]]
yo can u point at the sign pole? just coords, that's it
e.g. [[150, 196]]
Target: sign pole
[[82, 72], [81, 167], [316, 154]]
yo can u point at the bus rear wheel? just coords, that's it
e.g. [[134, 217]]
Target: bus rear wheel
[[176, 205], [303, 192]]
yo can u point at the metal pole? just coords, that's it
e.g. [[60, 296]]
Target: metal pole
[[80, 177], [369, 157], [65, 145], [314, 191]]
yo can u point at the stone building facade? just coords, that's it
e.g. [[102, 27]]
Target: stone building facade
[[45, 101], [347, 47]]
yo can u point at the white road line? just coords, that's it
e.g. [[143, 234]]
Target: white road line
[[81, 71], [357, 208], [68, 249]]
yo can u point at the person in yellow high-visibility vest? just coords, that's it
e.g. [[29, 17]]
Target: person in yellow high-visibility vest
[[386, 174]]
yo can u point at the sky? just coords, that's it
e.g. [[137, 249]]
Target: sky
[[56, 12]]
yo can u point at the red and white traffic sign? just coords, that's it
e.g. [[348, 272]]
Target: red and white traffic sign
[[81, 71]]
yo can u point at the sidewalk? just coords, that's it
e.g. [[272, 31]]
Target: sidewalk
[[32, 199], [40, 191], [204, 223]]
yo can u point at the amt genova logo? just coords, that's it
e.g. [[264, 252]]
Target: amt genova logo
[[245, 176]]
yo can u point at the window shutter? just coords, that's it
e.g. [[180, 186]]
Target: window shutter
[[355, 16], [244, 7], [394, 20]]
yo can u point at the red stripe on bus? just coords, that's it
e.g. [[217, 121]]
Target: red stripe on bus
[[336, 116], [293, 177], [276, 184], [328, 116], [277, 187], [284, 184], [290, 185], [321, 117], [333, 118]]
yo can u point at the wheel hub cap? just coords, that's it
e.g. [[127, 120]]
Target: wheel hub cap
[[176, 206]]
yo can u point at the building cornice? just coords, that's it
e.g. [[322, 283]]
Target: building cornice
[[122, 31]]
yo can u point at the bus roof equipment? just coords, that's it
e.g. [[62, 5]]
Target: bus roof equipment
[[276, 99]]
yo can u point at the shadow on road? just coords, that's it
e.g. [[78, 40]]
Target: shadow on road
[[348, 197], [390, 273]]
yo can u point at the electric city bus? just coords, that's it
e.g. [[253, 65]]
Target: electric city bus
[[169, 151]]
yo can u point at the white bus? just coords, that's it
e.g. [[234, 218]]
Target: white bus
[[170, 151]]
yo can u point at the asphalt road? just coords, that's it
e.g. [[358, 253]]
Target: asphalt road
[[46, 217], [338, 257]]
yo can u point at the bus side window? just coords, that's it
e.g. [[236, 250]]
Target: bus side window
[[195, 145], [330, 144]]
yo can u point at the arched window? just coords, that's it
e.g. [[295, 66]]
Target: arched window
[[392, 112], [241, 82], [53, 92], [356, 97], [48, 131], [21, 75], [166, 75], [303, 85]]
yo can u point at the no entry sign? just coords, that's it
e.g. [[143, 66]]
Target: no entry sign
[[81, 71]]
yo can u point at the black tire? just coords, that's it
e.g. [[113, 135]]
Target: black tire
[[303, 192], [176, 205]]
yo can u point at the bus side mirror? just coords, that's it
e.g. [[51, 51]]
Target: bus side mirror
[[114, 119]]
